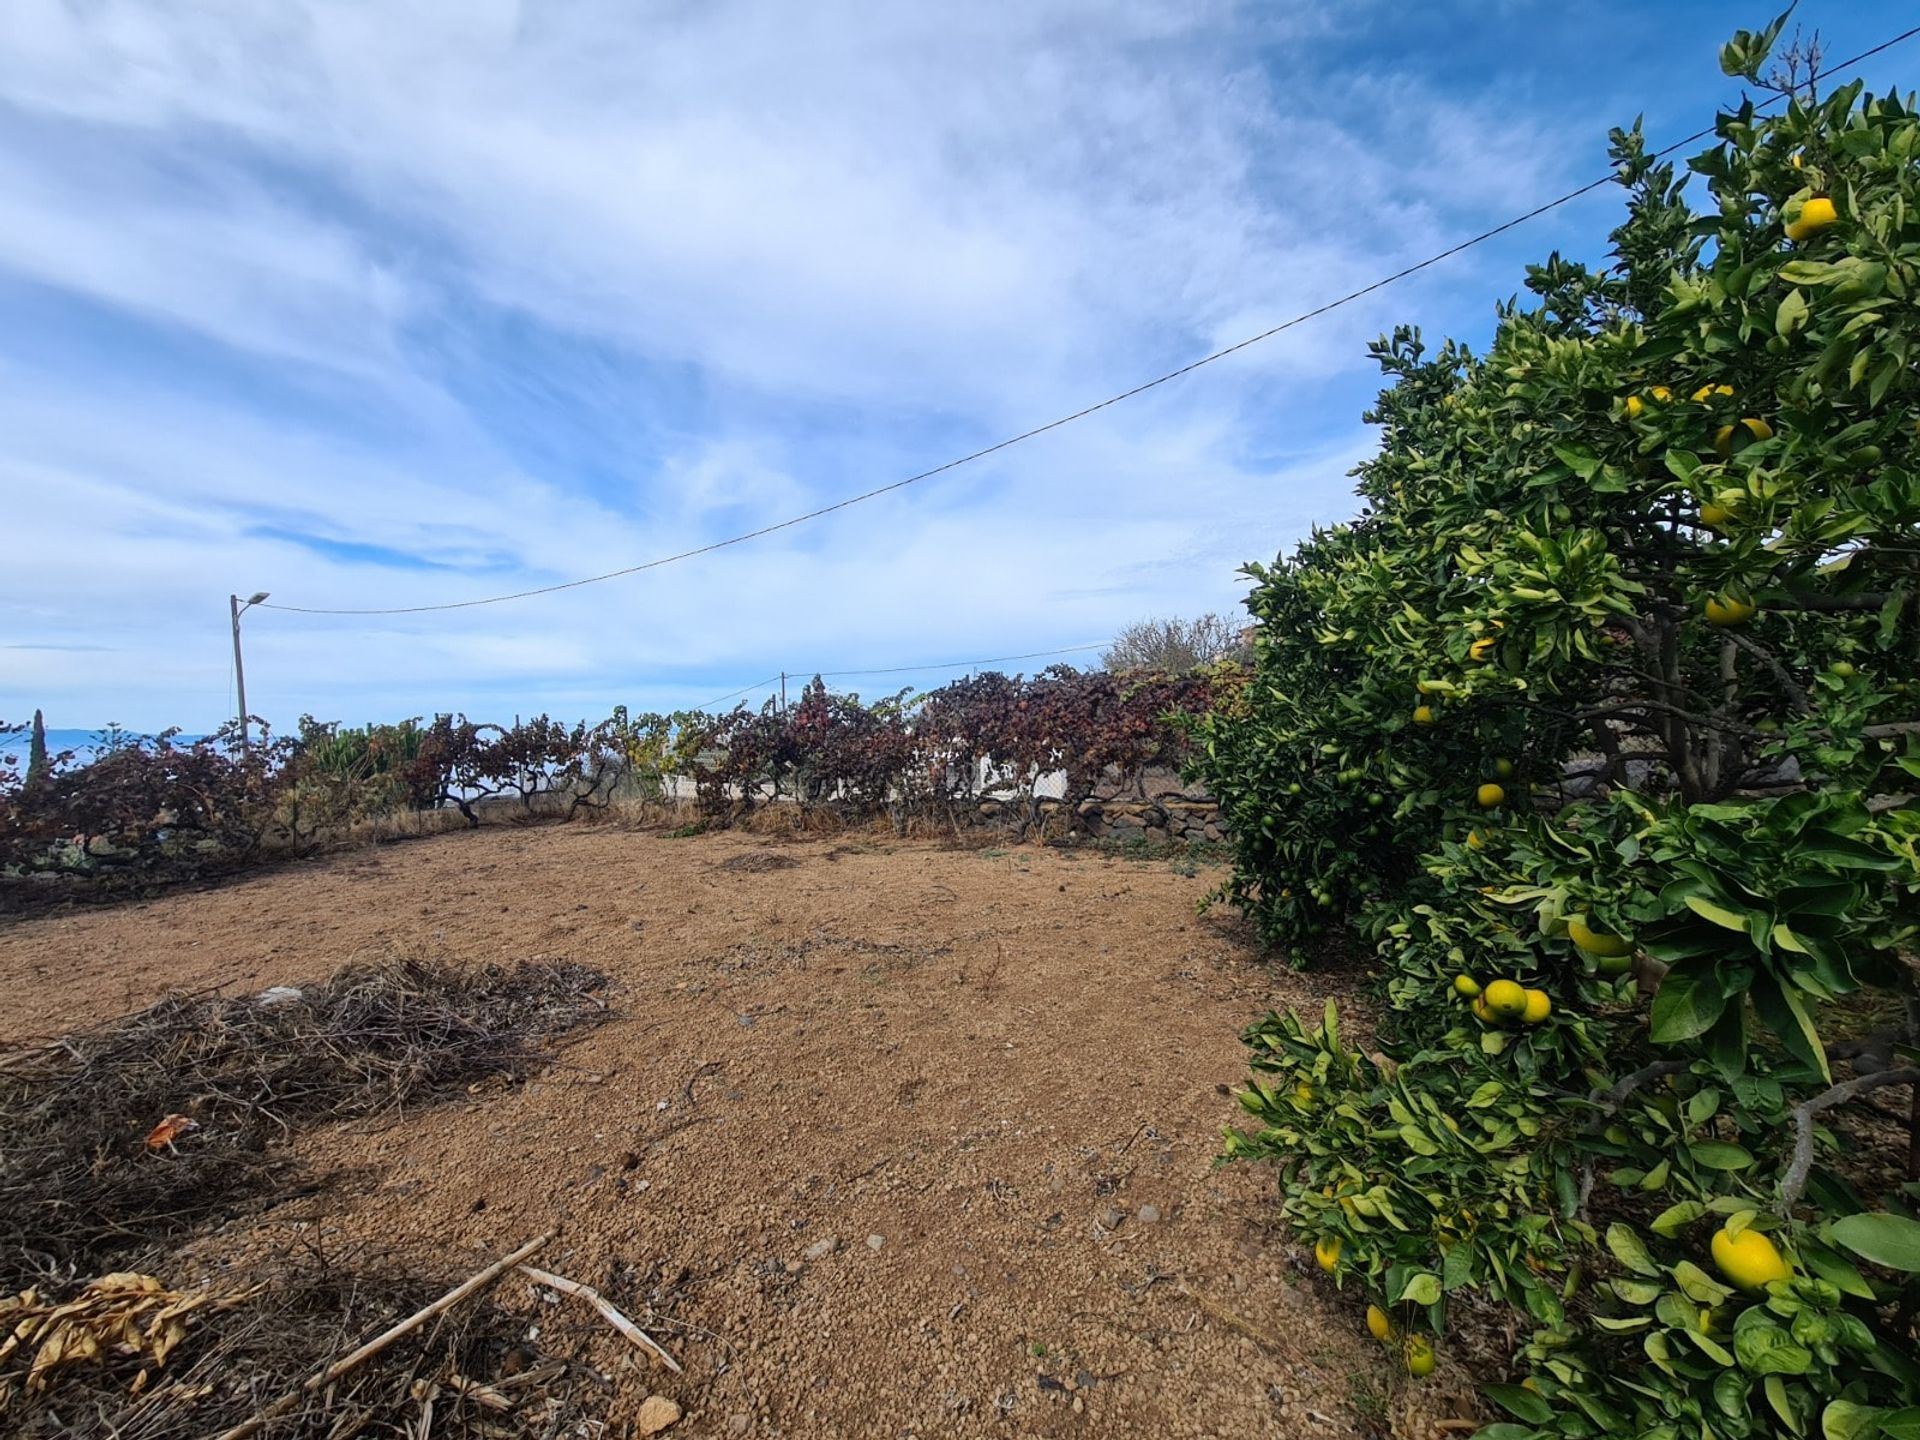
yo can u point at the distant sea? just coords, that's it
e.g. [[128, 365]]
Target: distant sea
[[84, 743]]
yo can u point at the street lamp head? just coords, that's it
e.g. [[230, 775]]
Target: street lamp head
[[256, 597]]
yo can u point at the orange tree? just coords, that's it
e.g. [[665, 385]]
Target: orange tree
[[1600, 724]]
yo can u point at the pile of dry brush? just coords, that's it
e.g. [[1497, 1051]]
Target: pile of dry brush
[[120, 1141]]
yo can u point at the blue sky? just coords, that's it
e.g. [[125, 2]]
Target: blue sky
[[371, 305]]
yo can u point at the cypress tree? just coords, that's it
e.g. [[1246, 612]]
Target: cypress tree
[[37, 750]]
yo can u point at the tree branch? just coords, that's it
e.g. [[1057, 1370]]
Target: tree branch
[[1795, 693], [1795, 1179]]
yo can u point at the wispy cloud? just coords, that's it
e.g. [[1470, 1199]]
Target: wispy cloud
[[385, 305]]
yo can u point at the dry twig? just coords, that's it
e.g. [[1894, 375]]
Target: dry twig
[[327, 1374], [607, 1309]]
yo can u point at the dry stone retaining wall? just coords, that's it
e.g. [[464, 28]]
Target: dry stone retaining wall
[[1153, 805]]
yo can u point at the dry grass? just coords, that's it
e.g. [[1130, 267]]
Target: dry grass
[[225, 1358], [119, 1137]]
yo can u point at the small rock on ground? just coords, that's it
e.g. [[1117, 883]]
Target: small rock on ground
[[1149, 1214], [821, 1249], [657, 1413], [874, 1242]]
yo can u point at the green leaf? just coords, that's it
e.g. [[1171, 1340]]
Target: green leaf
[[1623, 1324], [1720, 1154], [1712, 1349], [1890, 1240], [1630, 1250], [1890, 615], [1767, 1349], [1520, 1403], [1791, 314], [1577, 458], [1719, 914], [1422, 1288], [1730, 1393], [1901, 1424], [1844, 1420], [1680, 463], [1675, 1218], [1636, 1292], [1779, 1005], [1835, 1271], [1689, 1001], [1700, 1287], [1787, 940], [1776, 1392], [1844, 854]]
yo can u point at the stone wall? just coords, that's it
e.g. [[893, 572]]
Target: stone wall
[[1153, 806]]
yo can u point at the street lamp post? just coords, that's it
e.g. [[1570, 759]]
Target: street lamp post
[[239, 608]]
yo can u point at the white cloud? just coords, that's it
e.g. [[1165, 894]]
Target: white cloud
[[746, 258]]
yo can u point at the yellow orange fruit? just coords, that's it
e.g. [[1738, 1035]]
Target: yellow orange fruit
[[1420, 1359], [1723, 437], [1505, 999], [1749, 1259], [1475, 840], [1490, 796], [1816, 215], [1727, 611], [1466, 985], [1715, 517], [1661, 393], [1480, 1010], [1503, 769], [1594, 942], [1423, 714], [1539, 1006], [1327, 1253], [1481, 648], [1708, 391], [1634, 406], [1379, 1324]]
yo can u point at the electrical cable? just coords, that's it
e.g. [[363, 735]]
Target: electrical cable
[[1081, 414]]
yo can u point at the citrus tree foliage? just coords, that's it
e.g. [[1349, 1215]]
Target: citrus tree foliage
[[1600, 723]]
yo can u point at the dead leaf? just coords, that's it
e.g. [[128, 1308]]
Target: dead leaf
[[169, 1130]]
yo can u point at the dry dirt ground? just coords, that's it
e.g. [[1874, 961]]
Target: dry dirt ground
[[884, 1140]]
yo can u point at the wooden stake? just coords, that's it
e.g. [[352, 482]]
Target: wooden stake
[[328, 1374], [606, 1308]]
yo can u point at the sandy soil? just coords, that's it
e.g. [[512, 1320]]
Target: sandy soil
[[886, 1140]]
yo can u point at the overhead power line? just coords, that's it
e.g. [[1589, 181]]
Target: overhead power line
[[963, 664], [1083, 413], [767, 683]]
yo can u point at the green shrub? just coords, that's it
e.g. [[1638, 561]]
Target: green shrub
[[1624, 645]]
